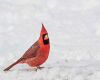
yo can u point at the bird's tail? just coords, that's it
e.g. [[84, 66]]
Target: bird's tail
[[6, 69]]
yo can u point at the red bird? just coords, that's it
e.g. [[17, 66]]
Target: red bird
[[38, 53]]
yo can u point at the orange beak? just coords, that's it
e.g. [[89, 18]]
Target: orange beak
[[46, 37]]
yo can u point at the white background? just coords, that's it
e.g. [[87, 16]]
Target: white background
[[74, 31]]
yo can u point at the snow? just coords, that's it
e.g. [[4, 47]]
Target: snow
[[74, 32]]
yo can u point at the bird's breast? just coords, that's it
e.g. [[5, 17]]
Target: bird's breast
[[43, 56]]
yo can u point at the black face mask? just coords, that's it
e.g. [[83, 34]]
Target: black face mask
[[45, 41]]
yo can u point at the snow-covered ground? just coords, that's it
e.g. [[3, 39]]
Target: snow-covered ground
[[74, 31]]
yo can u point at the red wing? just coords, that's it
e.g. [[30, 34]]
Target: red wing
[[32, 51]]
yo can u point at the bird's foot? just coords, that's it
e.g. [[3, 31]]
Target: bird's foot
[[39, 68]]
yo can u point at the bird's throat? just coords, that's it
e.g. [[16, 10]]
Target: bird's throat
[[46, 42]]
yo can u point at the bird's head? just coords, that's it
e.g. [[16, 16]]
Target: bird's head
[[44, 39]]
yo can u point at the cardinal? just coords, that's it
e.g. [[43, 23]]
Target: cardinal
[[37, 54]]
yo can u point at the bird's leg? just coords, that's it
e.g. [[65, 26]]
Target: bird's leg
[[40, 67]]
